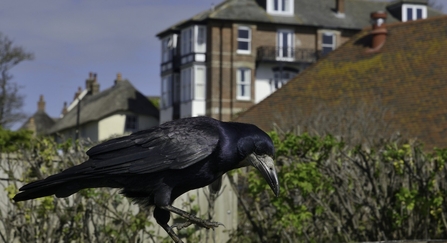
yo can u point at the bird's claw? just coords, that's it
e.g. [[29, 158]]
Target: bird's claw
[[202, 223]]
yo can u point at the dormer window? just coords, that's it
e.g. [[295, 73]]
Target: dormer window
[[168, 44], [281, 7], [413, 12]]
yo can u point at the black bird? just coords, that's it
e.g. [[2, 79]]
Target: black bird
[[157, 165]]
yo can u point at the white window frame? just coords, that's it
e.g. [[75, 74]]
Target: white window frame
[[243, 85], [199, 83], [166, 91], [200, 39], [281, 5], [248, 40], [332, 45], [414, 8], [289, 53]]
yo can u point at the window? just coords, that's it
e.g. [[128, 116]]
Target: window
[[328, 43], [187, 41], [166, 48], [131, 123], [243, 78], [283, 7], [199, 78], [201, 39], [185, 80], [285, 45], [243, 40], [413, 12], [281, 77], [166, 91]]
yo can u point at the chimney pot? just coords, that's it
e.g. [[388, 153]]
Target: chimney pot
[[77, 93], [64, 109], [340, 6], [41, 104], [379, 30], [119, 78]]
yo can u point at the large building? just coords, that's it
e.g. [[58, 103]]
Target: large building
[[222, 61], [400, 65]]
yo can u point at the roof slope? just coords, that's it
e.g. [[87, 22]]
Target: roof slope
[[120, 97], [40, 121], [307, 12], [408, 75]]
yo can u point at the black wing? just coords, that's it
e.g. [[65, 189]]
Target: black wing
[[165, 147]]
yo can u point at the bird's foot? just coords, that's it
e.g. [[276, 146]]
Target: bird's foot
[[199, 222]]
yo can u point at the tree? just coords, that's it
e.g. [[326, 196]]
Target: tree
[[10, 100]]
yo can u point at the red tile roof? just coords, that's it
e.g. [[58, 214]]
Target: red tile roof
[[408, 74]]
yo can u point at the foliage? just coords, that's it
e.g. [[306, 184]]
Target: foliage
[[10, 100], [92, 215], [332, 192]]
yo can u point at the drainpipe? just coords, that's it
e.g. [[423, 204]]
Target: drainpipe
[[231, 73], [220, 70]]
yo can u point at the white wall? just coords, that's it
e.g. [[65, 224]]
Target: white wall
[[198, 108], [263, 75], [111, 125]]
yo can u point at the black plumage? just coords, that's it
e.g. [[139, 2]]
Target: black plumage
[[157, 165]]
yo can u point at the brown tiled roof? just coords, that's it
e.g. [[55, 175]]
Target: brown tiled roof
[[317, 13], [408, 75]]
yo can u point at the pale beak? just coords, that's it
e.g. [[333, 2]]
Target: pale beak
[[266, 166]]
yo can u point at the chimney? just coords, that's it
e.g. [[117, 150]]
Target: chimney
[[64, 109], [89, 81], [31, 125], [378, 31], [95, 85], [41, 104], [118, 79], [340, 7], [91, 84], [78, 93]]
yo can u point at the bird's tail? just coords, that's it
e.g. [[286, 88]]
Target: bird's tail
[[65, 183]]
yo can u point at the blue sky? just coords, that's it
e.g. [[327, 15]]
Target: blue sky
[[74, 37]]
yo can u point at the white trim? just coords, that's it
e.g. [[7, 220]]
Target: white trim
[[246, 83], [414, 8], [334, 40], [289, 54], [198, 82], [244, 40], [271, 9]]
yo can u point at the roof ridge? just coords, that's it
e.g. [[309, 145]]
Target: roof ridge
[[410, 22]]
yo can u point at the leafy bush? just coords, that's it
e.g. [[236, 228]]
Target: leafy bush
[[332, 192]]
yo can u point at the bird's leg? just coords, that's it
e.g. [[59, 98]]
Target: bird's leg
[[162, 217], [171, 233], [191, 219]]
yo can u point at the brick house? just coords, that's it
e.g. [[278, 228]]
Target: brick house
[[222, 61], [401, 64]]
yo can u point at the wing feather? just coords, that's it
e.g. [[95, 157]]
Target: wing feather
[[173, 146]]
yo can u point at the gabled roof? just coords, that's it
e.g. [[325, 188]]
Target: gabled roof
[[319, 13], [39, 122], [120, 97], [408, 74]]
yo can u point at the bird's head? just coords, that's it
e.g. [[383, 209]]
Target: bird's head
[[257, 150]]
